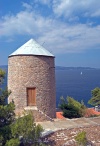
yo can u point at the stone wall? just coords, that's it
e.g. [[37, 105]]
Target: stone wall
[[32, 71]]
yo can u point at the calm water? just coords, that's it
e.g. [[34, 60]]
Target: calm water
[[73, 83]]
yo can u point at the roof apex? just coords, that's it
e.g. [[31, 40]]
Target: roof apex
[[31, 48]]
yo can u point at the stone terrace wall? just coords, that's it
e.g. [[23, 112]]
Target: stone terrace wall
[[33, 71]]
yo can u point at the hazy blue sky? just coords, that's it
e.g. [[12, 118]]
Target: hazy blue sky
[[70, 29]]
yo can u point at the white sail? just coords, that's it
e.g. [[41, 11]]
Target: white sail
[[81, 73]]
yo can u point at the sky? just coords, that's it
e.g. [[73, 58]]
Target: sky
[[69, 29]]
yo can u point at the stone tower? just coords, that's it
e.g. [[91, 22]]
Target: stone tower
[[31, 79]]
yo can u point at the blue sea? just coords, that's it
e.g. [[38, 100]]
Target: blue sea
[[76, 83]]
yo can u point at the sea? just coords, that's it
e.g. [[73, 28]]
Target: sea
[[74, 82]]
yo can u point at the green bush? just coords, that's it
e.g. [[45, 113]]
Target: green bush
[[7, 115], [95, 99], [2, 75], [13, 142], [81, 138], [1, 140], [27, 129], [72, 108]]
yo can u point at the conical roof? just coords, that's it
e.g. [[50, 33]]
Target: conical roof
[[31, 48]]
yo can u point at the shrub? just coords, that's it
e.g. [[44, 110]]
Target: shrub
[[81, 138], [95, 99], [2, 75], [13, 142], [72, 108], [26, 128]]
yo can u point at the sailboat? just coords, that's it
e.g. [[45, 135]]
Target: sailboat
[[81, 73]]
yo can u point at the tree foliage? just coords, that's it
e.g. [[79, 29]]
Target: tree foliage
[[26, 128], [4, 93], [72, 108], [7, 115], [13, 142], [2, 75], [95, 99]]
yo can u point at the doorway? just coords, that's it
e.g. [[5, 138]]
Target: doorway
[[31, 96]]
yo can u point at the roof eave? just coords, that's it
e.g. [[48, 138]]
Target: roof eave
[[30, 55]]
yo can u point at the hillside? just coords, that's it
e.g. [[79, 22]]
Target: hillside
[[74, 68], [5, 67]]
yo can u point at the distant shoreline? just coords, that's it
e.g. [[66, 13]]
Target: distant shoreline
[[75, 68], [62, 68]]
